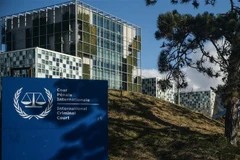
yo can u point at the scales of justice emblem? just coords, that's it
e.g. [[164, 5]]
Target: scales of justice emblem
[[33, 100]]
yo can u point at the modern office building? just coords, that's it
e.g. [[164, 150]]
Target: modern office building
[[202, 101], [151, 87], [40, 63], [109, 47]]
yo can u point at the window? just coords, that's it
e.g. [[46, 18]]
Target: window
[[100, 21], [119, 39], [28, 33], [58, 27], [65, 25], [106, 44], [106, 23], [106, 34], [42, 30], [35, 31], [50, 28], [94, 19], [35, 41], [112, 37], [112, 26]]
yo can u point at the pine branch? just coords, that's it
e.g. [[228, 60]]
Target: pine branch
[[219, 54]]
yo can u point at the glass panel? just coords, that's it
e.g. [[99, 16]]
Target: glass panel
[[100, 21], [35, 19], [65, 13], [50, 28], [28, 32], [35, 41], [65, 25], [42, 30], [36, 31], [72, 11], [42, 17], [58, 27], [94, 19], [106, 23]]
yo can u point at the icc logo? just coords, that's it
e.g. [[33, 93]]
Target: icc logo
[[33, 100]]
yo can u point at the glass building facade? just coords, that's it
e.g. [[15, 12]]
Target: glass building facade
[[110, 48]]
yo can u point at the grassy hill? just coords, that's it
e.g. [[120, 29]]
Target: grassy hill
[[146, 128]]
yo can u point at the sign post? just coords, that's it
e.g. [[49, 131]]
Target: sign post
[[54, 119]]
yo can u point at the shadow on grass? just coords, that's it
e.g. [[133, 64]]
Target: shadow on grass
[[164, 143], [141, 104], [126, 137], [152, 136]]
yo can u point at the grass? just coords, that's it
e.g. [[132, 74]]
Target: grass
[[142, 127]]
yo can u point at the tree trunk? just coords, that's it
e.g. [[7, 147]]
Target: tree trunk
[[232, 94], [231, 121]]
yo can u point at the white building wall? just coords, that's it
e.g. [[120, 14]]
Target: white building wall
[[151, 87], [43, 63], [51, 64], [212, 102], [202, 101]]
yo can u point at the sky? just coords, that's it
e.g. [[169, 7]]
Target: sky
[[136, 12]]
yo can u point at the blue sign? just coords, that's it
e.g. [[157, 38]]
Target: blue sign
[[54, 119]]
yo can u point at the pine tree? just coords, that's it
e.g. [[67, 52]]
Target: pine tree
[[185, 35]]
